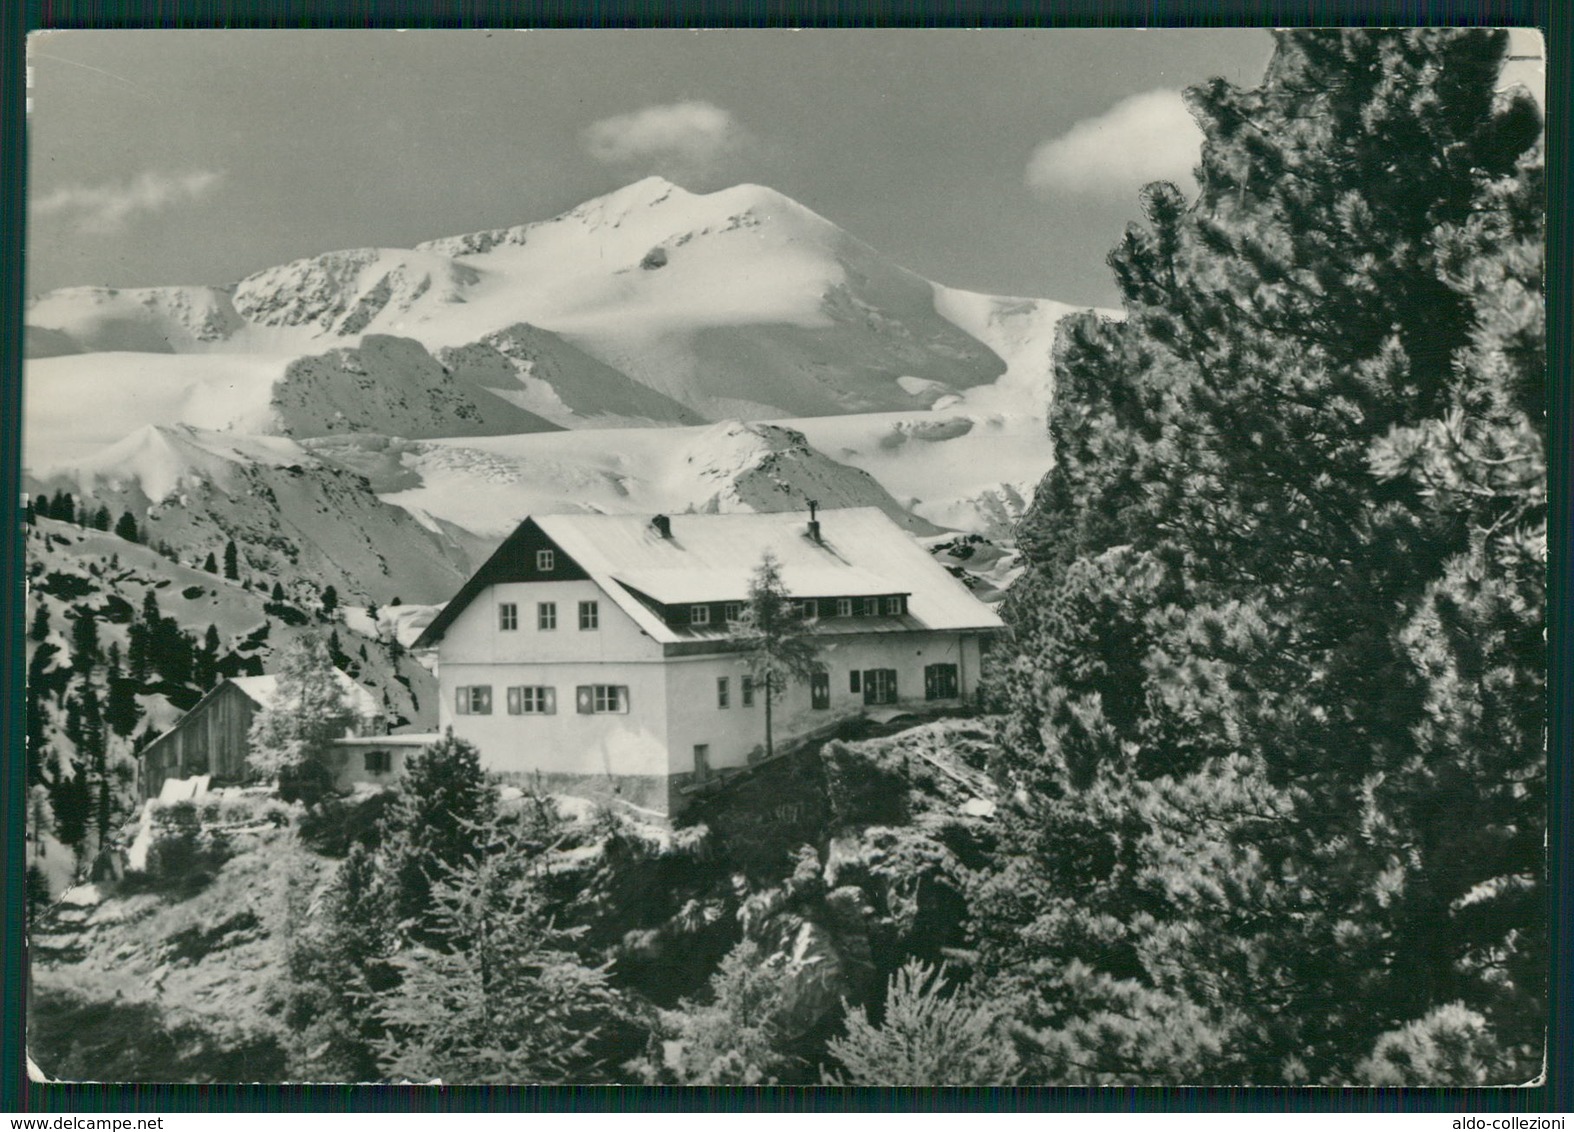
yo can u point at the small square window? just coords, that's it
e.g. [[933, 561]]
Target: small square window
[[546, 615], [723, 693], [844, 607], [532, 700], [893, 607], [589, 615], [508, 616], [546, 561], [699, 615], [809, 608], [732, 611], [379, 762]]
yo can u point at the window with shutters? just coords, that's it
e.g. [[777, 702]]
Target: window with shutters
[[589, 615], [820, 691], [546, 615], [699, 615], [532, 699], [723, 692], [473, 699], [508, 616], [546, 561], [747, 687], [879, 685], [940, 682], [379, 762], [855, 682], [602, 699]]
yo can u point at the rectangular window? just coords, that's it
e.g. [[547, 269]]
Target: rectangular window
[[880, 686], [871, 607], [808, 609], [748, 691], [699, 615], [546, 561], [732, 611], [532, 700], [855, 683], [602, 699], [474, 699], [940, 682], [844, 608], [893, 606], [723, 693], [820, 691], [589, 615], [546, 615], [508, 616], [379, 762], [702, 761]]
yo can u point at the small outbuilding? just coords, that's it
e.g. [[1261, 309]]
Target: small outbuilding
[[211, 738]]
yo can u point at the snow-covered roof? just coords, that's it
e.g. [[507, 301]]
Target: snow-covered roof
[[861, 551], [261, 690]]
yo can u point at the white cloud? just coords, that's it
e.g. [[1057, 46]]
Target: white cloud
[[1147, 137], [693, 137], [106, 208]]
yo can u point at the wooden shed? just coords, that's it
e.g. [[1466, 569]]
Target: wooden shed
[[211, 738]]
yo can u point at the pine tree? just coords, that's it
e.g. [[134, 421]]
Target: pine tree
[[499, 996], [138, 657], [126, 527], [84, 640], [330, 602], [1299, 494], [278, 592], [72, 801], [445, 799], [231, 561], [101, 518], [29, 512], [211, 564], [291, 738], [777, 643]]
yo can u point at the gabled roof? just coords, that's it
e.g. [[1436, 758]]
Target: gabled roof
[[260, 690], [712, 558]]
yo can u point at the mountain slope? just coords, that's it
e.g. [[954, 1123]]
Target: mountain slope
[[292, 516]]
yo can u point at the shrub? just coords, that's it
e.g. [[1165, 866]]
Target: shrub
[[928, 1037]]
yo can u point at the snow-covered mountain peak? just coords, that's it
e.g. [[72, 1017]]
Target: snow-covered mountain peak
[[163, 459], [345, 292]]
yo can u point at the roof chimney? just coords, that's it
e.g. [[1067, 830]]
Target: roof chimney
[[663, 525], [814, 524]]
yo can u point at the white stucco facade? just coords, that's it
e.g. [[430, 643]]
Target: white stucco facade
[[567, 656]]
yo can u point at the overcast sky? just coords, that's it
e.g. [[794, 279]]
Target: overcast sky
[[1001, 161]]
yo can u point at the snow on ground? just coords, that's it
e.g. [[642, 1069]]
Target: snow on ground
[[488, 484]]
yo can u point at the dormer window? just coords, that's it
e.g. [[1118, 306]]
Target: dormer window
[[844, 607], [871, 607], [699, 615], [893, 606], [807, 609], [546, 561], [732, 611]]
